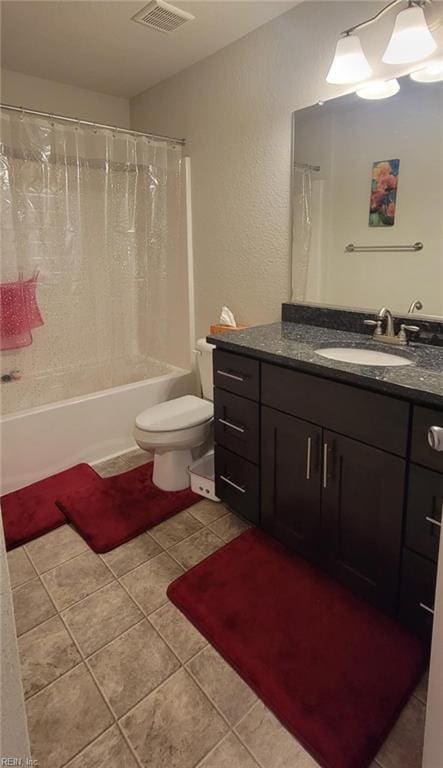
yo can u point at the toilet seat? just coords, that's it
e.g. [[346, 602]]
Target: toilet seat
[[175, 415]]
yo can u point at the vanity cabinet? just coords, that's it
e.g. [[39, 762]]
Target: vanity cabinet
[[341, 475]]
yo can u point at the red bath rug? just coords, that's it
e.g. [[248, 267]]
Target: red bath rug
[[116, 509], [30, 512], [334, 671]]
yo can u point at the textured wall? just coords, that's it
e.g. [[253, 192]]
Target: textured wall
[[234, 108], [49, 96]]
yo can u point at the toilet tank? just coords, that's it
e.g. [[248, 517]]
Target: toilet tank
[[204, 362]]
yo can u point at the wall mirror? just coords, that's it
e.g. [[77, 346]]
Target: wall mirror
[[367, 201]]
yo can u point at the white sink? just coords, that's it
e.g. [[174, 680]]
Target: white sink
[[363, 356]]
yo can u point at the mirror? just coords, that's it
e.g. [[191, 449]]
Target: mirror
[[367, 201]]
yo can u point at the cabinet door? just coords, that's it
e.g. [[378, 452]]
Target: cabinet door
[[362, 510], [290, 480]]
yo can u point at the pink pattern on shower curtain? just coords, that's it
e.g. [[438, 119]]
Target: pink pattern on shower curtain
[[19, 313]]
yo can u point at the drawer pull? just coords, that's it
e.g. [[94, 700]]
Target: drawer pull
[[435, 438], [231, 426], [233, 485], [433, 521], [325, 465], [426, 608], [231, 376], [308, 459]]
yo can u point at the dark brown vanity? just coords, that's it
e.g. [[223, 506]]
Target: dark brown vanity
[[341, 473]]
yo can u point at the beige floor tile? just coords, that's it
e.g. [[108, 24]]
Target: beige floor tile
[[222, 684], [110, 750], [175, 726], [230, 753], [55, 548], [229, 527], [111, 467], [148, 583], [175, 529], [208, 511], [101, 617], [271, 744], [131, 554], [421, 690], [184, 639], [196, 548], [404, 746], [46, 653], [65, 717], [136, 458], [76, 579], [20, 567], [32, 606], [132, 666]]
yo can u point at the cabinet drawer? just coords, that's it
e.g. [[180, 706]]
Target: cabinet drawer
[[237, 374], [237, 424], [417, 593], [424, 514], [421, 451], [374, 419], [236, 483]]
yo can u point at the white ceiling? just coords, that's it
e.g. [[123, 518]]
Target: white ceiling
[[95, 45]]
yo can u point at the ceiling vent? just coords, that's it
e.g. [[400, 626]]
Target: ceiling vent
[[162, 16]]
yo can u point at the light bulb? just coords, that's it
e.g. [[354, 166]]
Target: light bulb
[[350, 64], [432, 73], [411, 39], [379, 89]]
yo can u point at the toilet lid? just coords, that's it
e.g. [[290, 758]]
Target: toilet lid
[[183, 412]]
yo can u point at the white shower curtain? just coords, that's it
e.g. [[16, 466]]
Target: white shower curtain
[[98, 217]]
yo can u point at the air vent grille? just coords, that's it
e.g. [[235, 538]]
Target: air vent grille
[[162, 16]]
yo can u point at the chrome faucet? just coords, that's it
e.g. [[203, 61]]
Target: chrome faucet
[[416, 304], [386, 313], [389, 336]]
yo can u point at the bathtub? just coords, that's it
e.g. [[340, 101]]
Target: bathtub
[[39, 441]]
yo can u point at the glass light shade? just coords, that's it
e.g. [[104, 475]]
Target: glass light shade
[[350, 64], [379, 89], [432, 73], [411, 39]]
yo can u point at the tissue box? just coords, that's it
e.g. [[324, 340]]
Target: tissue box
[[224, 328]]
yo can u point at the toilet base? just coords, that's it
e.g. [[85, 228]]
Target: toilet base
[[171, 470]]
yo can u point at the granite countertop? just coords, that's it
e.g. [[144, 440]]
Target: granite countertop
[[293, 344]]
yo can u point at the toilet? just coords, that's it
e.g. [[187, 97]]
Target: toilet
[[172, 430]]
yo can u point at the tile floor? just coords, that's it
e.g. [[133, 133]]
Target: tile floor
[[115, 677]]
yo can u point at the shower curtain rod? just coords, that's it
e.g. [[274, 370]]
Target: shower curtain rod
[[75, 120]]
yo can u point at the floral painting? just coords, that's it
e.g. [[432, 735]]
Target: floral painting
[[383, 193]]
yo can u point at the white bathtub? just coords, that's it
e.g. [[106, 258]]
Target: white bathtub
[[40, 441]]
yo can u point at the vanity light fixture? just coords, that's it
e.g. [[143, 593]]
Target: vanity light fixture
[[410, 41], [431, 73], [379, 89], [350, 64]]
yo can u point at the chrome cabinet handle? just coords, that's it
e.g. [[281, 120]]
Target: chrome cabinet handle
[[231, 426], [433, 521], [435, 438], [234, 485], [426, 608], [308, 459], [230, 376], [325, 465]]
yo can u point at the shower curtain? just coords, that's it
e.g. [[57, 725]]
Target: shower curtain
[[301, 229], [95, 218]]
